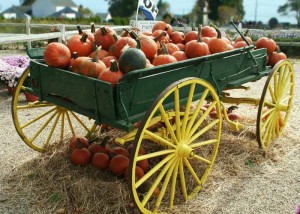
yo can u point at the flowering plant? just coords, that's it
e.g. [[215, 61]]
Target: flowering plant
[[12, 67]]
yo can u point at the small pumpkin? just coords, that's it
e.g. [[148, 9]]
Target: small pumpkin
[[119, 151], [163, 25], [81, 155], [276, 56], [100, 147], [209, 31], [121, 43], [107, 60], [57, 55], [180, 55], [118, 164], [101, 161], [76, 140], [139, 173], [177, 37]]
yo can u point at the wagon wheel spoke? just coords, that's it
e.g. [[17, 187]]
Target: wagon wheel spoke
[[181, 152], [40, 124], [275, 104]]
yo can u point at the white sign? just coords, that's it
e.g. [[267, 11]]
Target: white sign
[[143, 26]]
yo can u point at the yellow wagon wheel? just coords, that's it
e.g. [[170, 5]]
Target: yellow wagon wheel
[[275, 103], [180, 148], [40, 123]]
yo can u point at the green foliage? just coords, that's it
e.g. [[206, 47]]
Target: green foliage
[[120, 21], [293, 6], [233, 7], [122, 8]]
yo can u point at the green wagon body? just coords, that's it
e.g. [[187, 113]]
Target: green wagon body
[[127, 103]]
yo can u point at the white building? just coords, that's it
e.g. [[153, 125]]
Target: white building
[[44, 8]]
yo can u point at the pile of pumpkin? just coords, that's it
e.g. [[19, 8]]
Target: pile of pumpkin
[[107, 56], [102, 157]]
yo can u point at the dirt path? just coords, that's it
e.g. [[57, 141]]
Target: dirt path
[[242, 181]]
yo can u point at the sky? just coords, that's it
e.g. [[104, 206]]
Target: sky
[[266, 9]]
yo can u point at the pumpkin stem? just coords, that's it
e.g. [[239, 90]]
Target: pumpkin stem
[[136, 38], [105, 141], [94, 46], [115, 37], [79, 144], [114, 66], [164, 48], [74, 55], [96, 58], [80, 32], [217, 29], [246, 32], [84, 37], [93, 27], [199, 33], [163, 33], [103, 30], [125, 32]]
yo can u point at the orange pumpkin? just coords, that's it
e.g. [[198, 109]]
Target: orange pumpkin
[[80, 44], [196, 48], [111, 74], [105, 37], [57, 55], [164, 58], [118, 164], [180, 55], [267, 43], [100, 161]]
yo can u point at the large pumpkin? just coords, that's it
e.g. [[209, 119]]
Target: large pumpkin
[[57, 55], [80, 44], [164, 58], [89, 67], [132, 59], [105, 37], [196, 48], [267, 43]]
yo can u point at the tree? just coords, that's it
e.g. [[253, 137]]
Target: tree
[[122, 8], [291, 5], [273, 22], [163, 7], [85, 11], [28, 2], [234, 8]]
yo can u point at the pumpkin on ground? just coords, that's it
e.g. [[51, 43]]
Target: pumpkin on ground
[[74, 142], [100, 146], [100, 160], [118, 164], [80, 155], [57, 55]]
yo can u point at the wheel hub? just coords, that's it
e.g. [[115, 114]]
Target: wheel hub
[[183, 150]]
